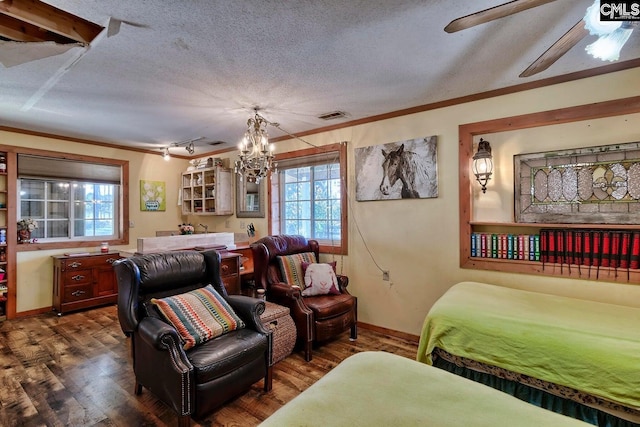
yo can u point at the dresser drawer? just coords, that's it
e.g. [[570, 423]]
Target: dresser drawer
[[81, 263], [77, 277], [77, 292]]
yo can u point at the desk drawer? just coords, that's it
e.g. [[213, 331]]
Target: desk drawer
[[229, 266]]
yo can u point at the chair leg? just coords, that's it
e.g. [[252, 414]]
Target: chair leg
[[308, 347], [137, 389], [184, 421], [268, 379], [354, 332]]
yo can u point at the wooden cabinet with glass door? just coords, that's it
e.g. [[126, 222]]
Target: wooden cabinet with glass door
[[207, 191]]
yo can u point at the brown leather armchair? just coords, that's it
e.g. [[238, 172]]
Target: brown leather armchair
[[317, 318], [196, 381]]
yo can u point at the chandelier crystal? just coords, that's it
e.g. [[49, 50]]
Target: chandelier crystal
[[256, 159]]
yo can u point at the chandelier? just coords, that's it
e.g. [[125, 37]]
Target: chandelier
[[256, 159]]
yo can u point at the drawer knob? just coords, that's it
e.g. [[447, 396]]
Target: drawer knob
[[78, 293], [75, 264], [225, 268], [111, 260], [77, 277]]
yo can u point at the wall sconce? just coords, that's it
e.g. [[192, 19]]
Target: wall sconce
[[483, 164]]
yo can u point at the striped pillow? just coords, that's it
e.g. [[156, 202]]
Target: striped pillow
[[199, 315], [291, 267]]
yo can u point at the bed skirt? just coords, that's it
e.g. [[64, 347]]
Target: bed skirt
[[550, 396]]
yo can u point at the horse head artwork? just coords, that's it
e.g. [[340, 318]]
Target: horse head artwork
[[399, 165]]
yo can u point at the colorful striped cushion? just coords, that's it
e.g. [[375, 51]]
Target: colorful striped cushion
[[291, 267], [199, 315]]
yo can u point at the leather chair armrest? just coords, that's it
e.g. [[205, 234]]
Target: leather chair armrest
[[249, 310], [285, 291], [161, 336]]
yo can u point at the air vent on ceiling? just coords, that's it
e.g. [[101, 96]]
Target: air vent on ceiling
[[333, 115]]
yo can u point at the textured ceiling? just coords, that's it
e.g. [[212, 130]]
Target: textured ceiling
[[178, 70]]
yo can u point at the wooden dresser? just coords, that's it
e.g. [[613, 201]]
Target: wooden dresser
[[83, 281]]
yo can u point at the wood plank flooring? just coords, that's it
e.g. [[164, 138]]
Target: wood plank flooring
[[75, 370]]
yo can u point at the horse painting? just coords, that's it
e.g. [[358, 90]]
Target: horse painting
[[400, 170]]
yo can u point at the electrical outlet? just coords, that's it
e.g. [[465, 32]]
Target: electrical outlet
[[227, 224], [241, 225], [132, 223], [385, 275]]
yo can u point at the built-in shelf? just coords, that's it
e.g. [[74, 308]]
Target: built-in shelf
[[468, 226]]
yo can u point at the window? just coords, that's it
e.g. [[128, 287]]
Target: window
[[308, 196], [70, 209], [74, 199]]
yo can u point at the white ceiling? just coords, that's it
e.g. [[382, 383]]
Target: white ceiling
[[178, 70]]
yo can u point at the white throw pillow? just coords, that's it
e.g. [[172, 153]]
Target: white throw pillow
[[320, 279]]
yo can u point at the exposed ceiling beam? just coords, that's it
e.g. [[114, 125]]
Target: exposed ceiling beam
[[16, 30], [52, 19]]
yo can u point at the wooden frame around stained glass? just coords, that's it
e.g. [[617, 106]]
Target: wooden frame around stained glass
[[594, 185]]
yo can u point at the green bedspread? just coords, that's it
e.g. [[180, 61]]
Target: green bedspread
[[590, 346], [383, 389]]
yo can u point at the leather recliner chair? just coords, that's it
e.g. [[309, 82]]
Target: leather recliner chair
[[317, 318], [196, 381]]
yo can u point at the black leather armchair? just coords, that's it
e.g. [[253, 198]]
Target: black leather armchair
[[317, 318], [196, 381]]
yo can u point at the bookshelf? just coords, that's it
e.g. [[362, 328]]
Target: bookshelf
[[466, 181], [207, 191]]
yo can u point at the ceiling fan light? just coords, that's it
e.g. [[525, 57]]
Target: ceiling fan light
[[593, 23], [608, 47]]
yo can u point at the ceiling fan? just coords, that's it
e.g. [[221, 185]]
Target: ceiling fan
[[551, 55]]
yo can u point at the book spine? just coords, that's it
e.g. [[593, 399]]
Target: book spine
[[503, 246], [596, 246], [625, 249], [577, 247], [473, 244], [605, 249], [520, 246], [494, 246], [552, 246], [509, 246], [568, 246], [586, 248], [536, 242], [544, 245], [634, 258], [614, 251], [483, 245]]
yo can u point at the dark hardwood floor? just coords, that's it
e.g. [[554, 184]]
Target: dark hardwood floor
[[75, 370]]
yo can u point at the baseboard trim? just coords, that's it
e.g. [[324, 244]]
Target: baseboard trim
[[391, 332], [35, 312]]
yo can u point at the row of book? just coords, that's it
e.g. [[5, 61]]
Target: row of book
[[506, 246], [597, 248]]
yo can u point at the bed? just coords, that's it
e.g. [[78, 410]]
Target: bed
[[573, 356], [383, 389]]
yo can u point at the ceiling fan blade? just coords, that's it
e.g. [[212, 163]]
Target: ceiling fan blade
[[559, 48], [493, 13]]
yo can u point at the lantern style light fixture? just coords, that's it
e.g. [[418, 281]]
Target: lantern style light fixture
[[483, 164], [256, 159]]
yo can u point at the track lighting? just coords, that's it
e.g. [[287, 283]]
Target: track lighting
[[190, 149], [165, 154]]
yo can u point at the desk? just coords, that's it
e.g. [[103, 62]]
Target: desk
[[246, 268]]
